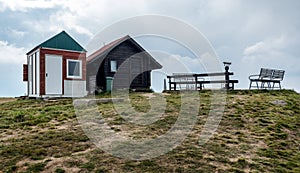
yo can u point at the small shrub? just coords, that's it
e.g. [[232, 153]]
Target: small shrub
[[36, 167], [19, 118], [59, 170], [89, 166], [242, 163]]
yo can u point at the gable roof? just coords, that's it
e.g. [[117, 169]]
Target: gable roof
[[104, 51], [107, 48], [62, 41]]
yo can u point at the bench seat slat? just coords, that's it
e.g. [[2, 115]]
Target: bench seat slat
[[184, 82], [265, 80], [213, 74], [206, 82], [218, 81]]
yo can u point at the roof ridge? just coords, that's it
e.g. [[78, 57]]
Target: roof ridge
[[52, 38], [110, 45], [62, 41], [105, 50]]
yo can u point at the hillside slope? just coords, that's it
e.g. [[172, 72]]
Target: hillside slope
[[259, 132]]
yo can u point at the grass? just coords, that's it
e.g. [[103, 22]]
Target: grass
[[254, 136]]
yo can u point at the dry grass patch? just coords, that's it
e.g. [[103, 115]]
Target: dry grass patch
[[253, 136]]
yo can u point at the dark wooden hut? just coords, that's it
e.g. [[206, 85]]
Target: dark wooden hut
[[122, 60]]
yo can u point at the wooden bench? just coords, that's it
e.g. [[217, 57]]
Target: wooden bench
[[183, 81], [266, 78], [197, 81]]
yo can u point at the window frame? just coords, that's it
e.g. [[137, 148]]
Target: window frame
[[116, 66], [80, 69]]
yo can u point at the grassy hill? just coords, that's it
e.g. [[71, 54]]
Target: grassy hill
[[259, 132]]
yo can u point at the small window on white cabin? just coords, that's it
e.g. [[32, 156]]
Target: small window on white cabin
[[113, 66], [74, 69]]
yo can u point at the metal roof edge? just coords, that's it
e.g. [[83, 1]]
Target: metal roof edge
[[62, 32]]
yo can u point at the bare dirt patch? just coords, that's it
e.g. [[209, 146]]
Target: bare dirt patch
[[149, 95], [5, 100]]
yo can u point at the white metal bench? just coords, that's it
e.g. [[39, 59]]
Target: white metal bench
[[267, 79]]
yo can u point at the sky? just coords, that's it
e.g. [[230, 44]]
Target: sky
[[250, 34]]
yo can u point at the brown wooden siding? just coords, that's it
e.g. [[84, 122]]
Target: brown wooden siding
[[135, 65], [25, 72], [42, 74], [35, 72]]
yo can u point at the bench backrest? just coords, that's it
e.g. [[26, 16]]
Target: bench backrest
[[181, 77], [271, 74], [278, 74], [266, 73]]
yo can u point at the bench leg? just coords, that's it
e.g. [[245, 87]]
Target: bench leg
[[268, 85], [279, 85], [250, 86], [262, 86]]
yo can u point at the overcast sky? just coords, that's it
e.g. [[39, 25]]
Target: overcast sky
[[249, 33]]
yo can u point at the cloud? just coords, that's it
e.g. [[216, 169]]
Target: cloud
[[24, 5], [63, 20], [174, 63], [250, 34], [272, 52], [11, 80], [17, 33], [171, 64], [56, 22], [83, 17], [11, 54]]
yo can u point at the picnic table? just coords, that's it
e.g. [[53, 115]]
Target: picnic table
[[197, 81]]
